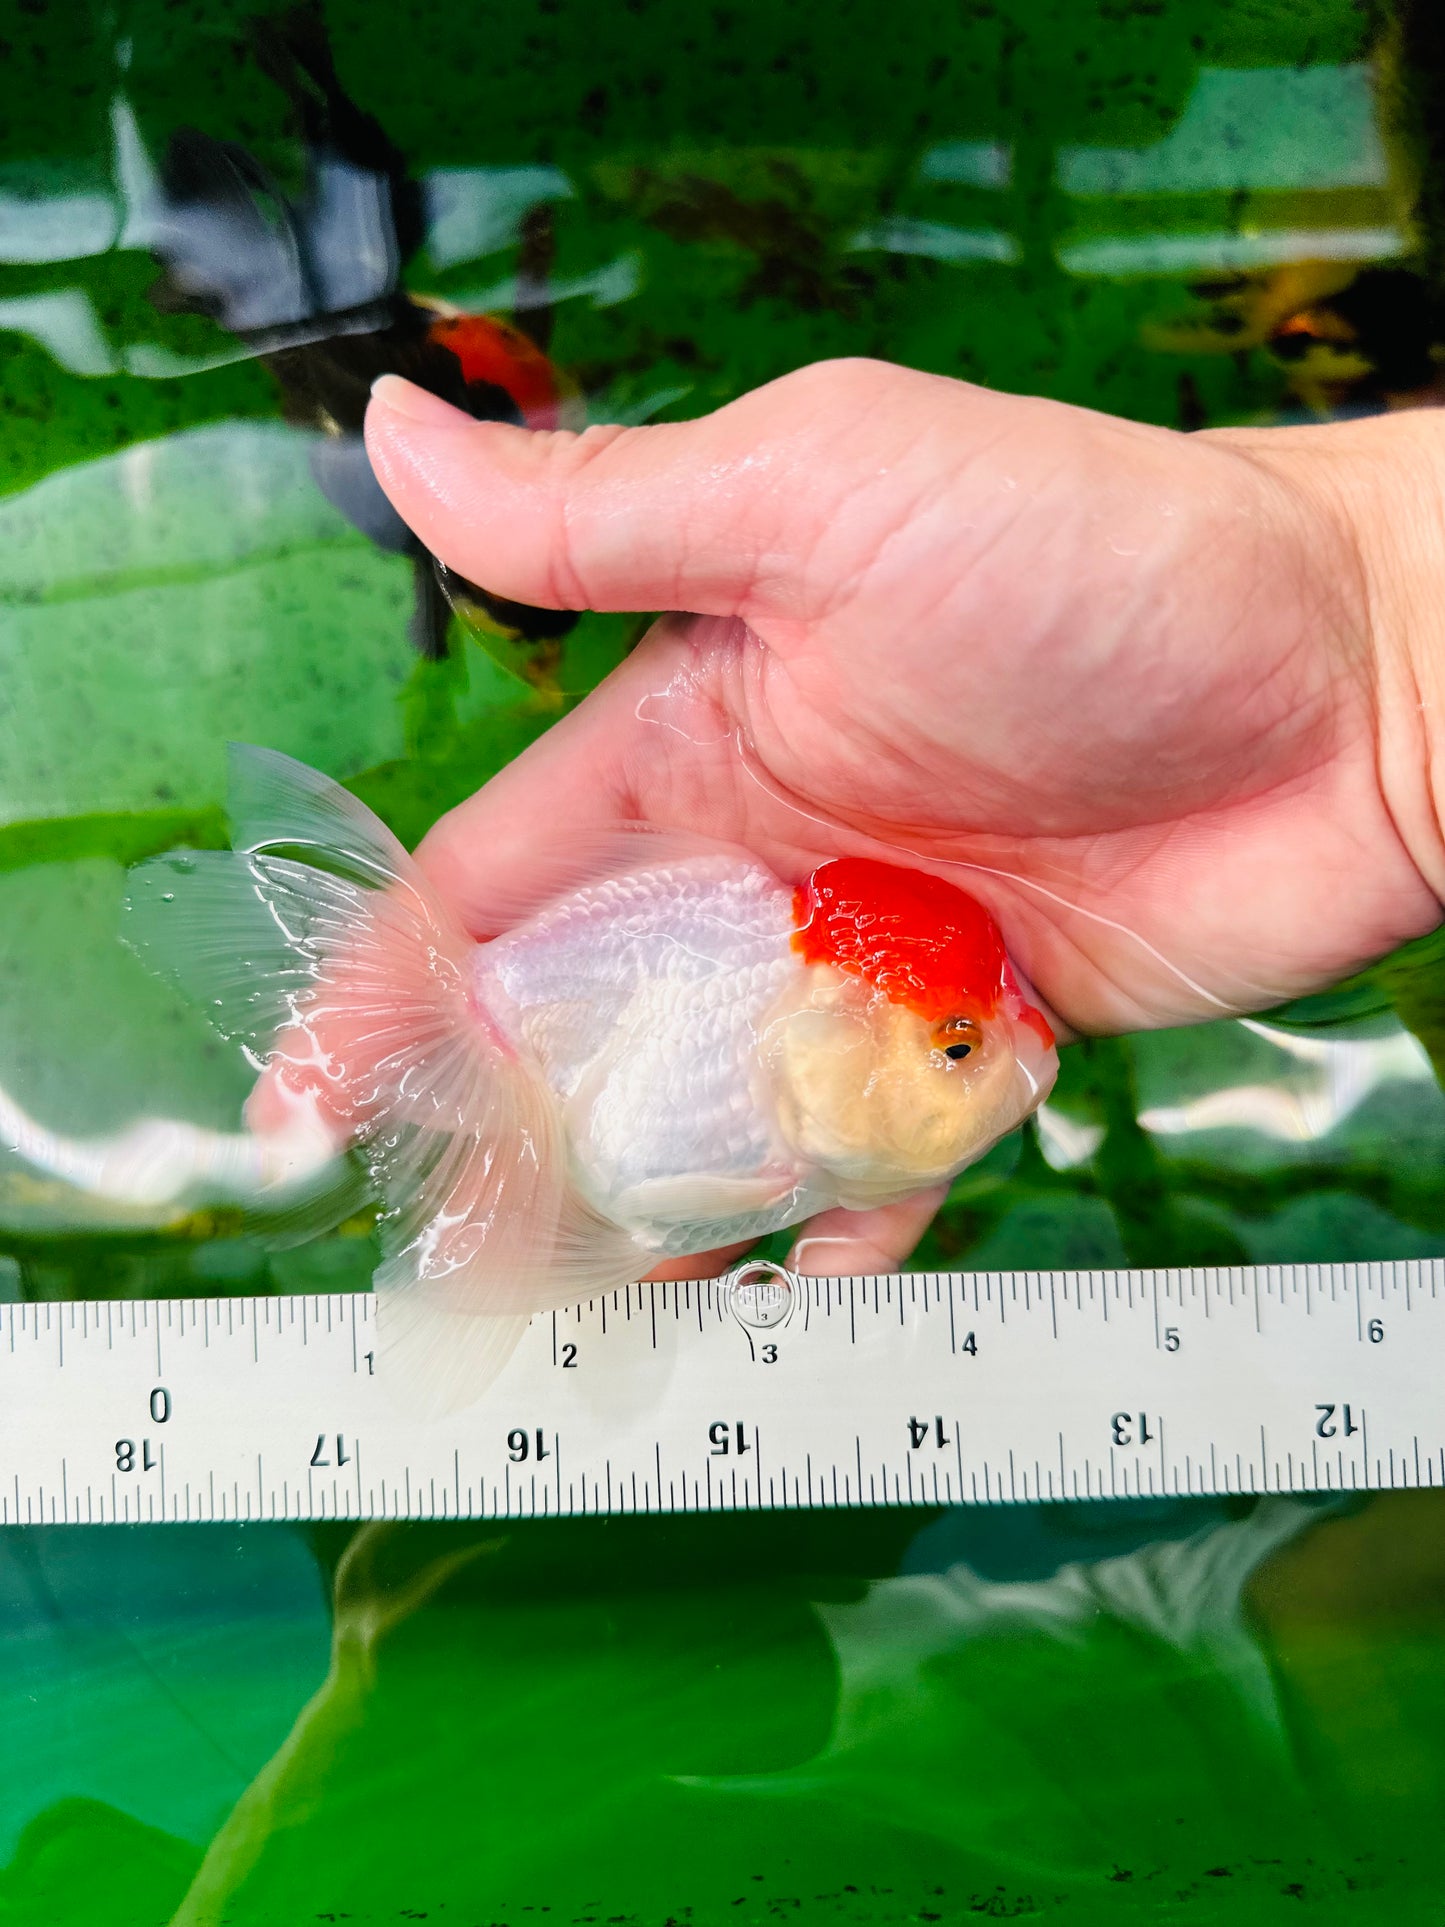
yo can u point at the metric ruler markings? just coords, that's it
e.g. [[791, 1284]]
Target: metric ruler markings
[[925, 1388]]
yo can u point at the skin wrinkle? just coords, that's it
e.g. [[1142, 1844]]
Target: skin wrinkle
[[1255, 694], [1247, 701], [1007, 512], [934, 505], [903, 521], [801, 559], [744, 594], [1410, 708], [999, 776], [1140, 1017], [825, 434], [783, 675], [1110, 877], [1178, 693], [1369, 666], [1112, 862], [1122, 625], [573, 460], [1413, 706]]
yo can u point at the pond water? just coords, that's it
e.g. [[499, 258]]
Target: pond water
[[1184, 211]]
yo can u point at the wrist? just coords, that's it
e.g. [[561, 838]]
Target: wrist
[[1375, 489]]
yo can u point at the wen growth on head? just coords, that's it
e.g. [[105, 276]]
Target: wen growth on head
[[674, 1051]]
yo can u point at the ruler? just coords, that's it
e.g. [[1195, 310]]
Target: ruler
[[758, 1390]]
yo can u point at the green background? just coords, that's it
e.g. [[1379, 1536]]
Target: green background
[[1193, 1712]]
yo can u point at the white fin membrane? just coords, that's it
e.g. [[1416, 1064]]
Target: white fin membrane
[[356, 977]]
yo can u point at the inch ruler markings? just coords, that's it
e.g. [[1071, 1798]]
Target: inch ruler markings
[[723, 1395]]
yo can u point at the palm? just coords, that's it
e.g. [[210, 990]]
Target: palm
[[1110, 669]]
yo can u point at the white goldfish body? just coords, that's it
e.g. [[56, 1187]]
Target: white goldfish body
[[673, 1050]]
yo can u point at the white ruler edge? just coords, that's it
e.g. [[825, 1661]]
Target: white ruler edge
[[756, 1391]]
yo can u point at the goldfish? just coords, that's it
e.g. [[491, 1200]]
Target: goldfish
[[667, 1049], [309, 281]]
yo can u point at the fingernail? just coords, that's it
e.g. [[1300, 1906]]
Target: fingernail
[[418, 405]]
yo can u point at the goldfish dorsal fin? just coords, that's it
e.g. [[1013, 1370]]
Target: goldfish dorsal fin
[[274, 802]]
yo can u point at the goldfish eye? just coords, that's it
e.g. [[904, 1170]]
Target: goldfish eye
[[957, 1037]]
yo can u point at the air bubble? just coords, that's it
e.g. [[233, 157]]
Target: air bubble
[[760, 1294]]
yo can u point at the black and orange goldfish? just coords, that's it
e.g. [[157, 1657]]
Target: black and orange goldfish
[[310, 281]]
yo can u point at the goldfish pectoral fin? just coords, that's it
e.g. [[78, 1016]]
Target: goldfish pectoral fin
[[701, 1210], [701, 1194]]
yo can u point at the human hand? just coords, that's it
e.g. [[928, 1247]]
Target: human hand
[[1155, 699]]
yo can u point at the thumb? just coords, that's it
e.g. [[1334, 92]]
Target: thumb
[[707, 516]]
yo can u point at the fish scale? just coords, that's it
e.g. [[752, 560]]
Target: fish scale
[[640, 996], [658, 1062]]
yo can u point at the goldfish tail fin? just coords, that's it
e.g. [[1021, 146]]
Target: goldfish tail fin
[[320, 943]]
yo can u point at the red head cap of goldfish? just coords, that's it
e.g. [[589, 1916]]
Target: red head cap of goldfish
[[924, 943], [907, 1048]]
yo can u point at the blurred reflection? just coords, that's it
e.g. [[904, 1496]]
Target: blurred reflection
[[38, 227], [1238, 1712], [309, 280], [1299, 1107], [232, 595], [149, 1677], [1348, 334], [160, 1163], [1291, 157], [940, 1671], [64, 323], [373, 1592]]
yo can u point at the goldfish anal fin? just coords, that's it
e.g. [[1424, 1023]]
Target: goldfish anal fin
[[433, 1337], [482, 1226]]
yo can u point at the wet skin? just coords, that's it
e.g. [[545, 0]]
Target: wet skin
[[1168, 700]]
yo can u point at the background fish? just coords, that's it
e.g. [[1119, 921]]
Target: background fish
[[310, 281], [668, 1051]]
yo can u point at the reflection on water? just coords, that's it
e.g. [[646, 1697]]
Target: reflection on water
[[680, 1716], [1338, 1076], [1294, 1089], [1195, 1713], [1292, 155]]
